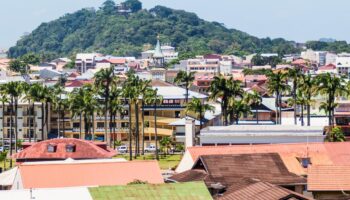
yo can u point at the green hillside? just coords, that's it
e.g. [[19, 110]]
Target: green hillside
[[107, 31]]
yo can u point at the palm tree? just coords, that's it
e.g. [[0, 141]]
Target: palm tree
[[197, 107], [236, 108], [254, 99], [91, 106], [225, 89], [277, 84], [294, 74], [115, 107], [332, 87], [75, 99], [4, 100], [144, 88], [14, 89], [36, 94], [299, 101], [103, 80], [154, 99], [57, 102], [308, 87], [185, 79], [129, 92]]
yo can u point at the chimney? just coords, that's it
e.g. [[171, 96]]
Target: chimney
[[190, 130]]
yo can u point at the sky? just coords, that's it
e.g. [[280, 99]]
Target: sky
[[298, 20]]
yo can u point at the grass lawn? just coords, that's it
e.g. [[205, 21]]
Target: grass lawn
[[165, 162]]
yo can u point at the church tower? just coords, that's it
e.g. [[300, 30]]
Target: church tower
[[158, 56]]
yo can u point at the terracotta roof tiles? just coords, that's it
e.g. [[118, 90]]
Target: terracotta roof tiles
[[329, 178]]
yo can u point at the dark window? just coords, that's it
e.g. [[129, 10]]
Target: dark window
[[305, 161], [100, 124], [146, 113], [51, 148], [76, 125], [177, 114], [70, 148]]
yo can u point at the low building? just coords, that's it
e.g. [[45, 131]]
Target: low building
[[83, 173], [204, 65], [343, 65], [253, 134], [62, 149], [230, 170], [296, 157], [329, 181]]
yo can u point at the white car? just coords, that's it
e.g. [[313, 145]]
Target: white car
[[122, 149], [150, 148]]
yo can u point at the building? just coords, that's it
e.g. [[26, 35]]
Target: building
[[168, 52], [329, 181], [202, 82], [229, 170], [296, 157], [343, 65], [85, 61], [62, 149], [203, 65], [331, 58], [82, 173], [329, 68], [318, 57], [253, 134]]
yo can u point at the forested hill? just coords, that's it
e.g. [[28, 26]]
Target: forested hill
[[107, 31]]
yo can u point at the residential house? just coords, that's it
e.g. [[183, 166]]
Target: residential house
[[343, 65], [85, 61], [62, 149], [82, 173], [224, 171], [296, 157], [204, 65]]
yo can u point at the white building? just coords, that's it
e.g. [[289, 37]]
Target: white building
[[85, 61], [267, 134], [203, 65], [225, 67], [343, 65], [315, 56], [331, 58]]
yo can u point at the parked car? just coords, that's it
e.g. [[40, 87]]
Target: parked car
[[122, 149], [1, 149], [150, 148]]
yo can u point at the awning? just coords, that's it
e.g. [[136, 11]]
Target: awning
[[7, 178]]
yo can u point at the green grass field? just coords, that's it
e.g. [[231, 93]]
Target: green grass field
[[165, 162]]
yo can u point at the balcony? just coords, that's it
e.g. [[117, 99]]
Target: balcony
[[29, 125], [9, 124], [25, 113], [165, 107]]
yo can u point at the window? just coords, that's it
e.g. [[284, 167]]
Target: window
[[70, 148], [100, 125], [51, 148], [177, 114], [305, 161], [76, 125], [146, 113]]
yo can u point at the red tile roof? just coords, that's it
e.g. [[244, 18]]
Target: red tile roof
[[88, 173], [83, 150], [299, 62], [117, 61], [320, 153], [327, 67], [78, 83], [329, 178], [255, 78]]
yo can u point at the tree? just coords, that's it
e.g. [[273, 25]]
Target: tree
[[237, 108], [3, 156], [109, 7], [144, 89], [76, 100], [165, 143], [254, 100], [133, 5], [277, 84], [154, 99], [309, 89], [294, 74], [335, 135], [104, 79], [332, 87], [115, 108], [185, 79], [17, 65], [225, 89], [197, 107], [4, 100]]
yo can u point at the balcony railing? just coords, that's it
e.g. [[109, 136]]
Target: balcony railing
[[25, 113]]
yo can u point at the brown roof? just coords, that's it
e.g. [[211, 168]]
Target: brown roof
[[160, 83], [329, 178], [254, 189], [191, 175], [83, 150], [231, 169], [320, 153]]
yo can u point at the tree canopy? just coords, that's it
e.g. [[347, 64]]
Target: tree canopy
[[106, 31]]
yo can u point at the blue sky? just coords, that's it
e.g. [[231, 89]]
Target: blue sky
[[298, 20]]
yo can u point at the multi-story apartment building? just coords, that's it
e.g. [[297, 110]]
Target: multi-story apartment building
[[170, 117], [85, 61], [29, 123]]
